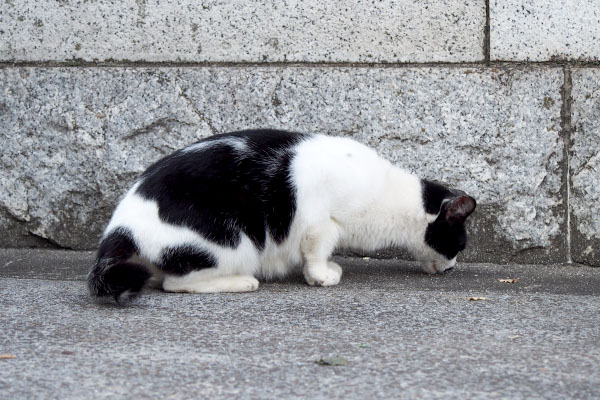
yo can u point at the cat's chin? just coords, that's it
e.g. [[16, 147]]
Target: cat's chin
[[437, 267]]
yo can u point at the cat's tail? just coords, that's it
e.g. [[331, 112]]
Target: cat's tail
[[113, 275]]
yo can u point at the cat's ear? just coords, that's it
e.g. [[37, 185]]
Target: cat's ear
[[457, 209]]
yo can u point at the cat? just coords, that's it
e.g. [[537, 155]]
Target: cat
[[231, 208]]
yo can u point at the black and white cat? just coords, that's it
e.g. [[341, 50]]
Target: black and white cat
[[217, 215]]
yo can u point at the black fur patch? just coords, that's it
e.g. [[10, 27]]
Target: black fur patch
[[433, 194], [183, 260], [444, 238], [117, 246], [111, 274], [124, 278], [219, 191]]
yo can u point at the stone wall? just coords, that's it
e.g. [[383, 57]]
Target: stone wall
[[499, 98]]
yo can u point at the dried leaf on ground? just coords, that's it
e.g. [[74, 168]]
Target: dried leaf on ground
[[509, 280], [335, 361], [476, 298], [6, 356]]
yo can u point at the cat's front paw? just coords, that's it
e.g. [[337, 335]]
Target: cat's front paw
[[437, 267], [335, 266], [429, 267], [324, 275]]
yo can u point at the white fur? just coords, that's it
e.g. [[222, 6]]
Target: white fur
[[204, 281], [347, 197], [358, 200]]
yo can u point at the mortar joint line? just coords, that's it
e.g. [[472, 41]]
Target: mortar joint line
[[484, 63], [486, 35], [567, 129]]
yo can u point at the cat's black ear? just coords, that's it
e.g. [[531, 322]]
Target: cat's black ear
[[457, 209]]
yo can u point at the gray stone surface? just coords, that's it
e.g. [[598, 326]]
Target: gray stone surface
[[542, 30], [257, 31], [76, 138], [584, 165], [405, 335]]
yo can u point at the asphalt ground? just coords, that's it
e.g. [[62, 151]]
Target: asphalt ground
[[397, 332]]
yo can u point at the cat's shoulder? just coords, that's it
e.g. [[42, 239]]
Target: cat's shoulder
[[336, 146]]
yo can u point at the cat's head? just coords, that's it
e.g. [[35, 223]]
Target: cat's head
[[445, 234]]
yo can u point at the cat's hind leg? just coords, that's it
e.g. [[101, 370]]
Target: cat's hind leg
[[317, 245], [194, 270], [201, 282]]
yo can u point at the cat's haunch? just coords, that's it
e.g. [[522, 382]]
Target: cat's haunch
[[217, 215]]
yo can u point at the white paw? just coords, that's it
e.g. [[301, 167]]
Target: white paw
[[249, 284], [328, 275], [429, 267], [435, 267], [335, 266], [235, 283]]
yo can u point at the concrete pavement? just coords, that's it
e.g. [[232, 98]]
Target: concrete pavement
[[404, 335]]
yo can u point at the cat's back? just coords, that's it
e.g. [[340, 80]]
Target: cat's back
[[219, 187], [219, 155], [336, 148], [337, 163]]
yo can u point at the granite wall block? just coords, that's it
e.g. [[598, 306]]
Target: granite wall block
[[584, 167], [75, 139], [242, 31], [545, 30]]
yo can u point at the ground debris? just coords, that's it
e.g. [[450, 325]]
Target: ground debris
[[335, 361], [6, 357], [476, 298], [509, 280]]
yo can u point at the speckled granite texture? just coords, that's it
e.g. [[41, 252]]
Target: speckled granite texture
[[542, 30], [240, 30], [91, 92], [76, 138], [584, 165]]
